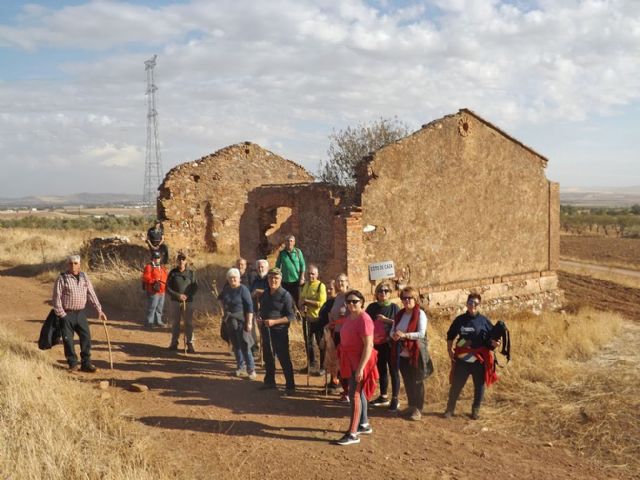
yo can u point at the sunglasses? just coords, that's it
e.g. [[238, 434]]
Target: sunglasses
[[406, 299], [352, 301], [475, 303]]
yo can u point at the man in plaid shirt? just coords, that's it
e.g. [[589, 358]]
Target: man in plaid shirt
[[70, 294]]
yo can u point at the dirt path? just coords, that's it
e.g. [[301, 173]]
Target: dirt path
[[601, 268], [207, 424]]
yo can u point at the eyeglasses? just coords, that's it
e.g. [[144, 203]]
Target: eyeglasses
[[352, 301], [406, 299], [384, 290], [474, 303]]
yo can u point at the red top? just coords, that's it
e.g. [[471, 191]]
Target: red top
[[350, 351], [155, 273], [351, 334]]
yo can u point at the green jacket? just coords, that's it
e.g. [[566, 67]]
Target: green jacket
[[292, 264]]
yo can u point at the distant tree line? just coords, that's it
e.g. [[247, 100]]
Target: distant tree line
[[626, 218], [105, 223]]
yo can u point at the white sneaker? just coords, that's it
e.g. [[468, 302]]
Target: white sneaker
[[241, 372], [252, 375]]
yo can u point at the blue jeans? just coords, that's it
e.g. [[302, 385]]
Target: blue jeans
[[155, 303], [359, 405], [242, 352]]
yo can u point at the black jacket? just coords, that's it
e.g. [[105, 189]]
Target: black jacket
[[51, 332]]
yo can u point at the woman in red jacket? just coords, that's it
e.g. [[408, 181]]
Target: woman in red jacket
[[358, 364]]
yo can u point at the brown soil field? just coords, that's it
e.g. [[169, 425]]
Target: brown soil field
[[205, 423], [621, 252], [603, 295]]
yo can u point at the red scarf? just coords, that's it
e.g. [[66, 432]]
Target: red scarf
[[411, 345], [484, 356]]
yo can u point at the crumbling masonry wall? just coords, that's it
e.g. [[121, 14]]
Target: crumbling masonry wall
[[201, 202], [313, 212]]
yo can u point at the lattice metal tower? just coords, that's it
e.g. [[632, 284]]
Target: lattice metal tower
[[153, 163]]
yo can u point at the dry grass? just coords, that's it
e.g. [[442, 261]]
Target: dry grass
[[55, 427], [567, 385]]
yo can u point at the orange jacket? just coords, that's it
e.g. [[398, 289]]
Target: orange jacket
[[153, 274]]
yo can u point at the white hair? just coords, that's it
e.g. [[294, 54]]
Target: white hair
[[233, 272], [73, 258], [262, 260], [290, 237]]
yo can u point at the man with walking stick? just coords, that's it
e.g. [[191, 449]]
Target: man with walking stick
[[312, 298], [71, 291], [182, 286], [276, 312]]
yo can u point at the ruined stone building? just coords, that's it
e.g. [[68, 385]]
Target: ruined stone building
[[458, 205], [201, 201]]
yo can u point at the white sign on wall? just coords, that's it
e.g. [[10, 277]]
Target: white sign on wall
[[380, 270]]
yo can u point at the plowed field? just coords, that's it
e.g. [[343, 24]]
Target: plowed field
[[621, 252]]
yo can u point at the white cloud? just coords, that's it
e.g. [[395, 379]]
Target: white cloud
[[287, 72]]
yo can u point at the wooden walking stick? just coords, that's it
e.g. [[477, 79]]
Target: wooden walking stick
[[307, 344], [183, 322], [106, 333]]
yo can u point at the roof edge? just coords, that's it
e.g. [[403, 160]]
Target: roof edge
[[513, 139]]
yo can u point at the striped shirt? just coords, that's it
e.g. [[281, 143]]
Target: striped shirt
[[71, 293]]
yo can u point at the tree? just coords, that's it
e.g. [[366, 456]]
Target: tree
[[635, 209], [348, 147]]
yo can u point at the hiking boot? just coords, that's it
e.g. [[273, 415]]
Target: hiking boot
[[322, 372], [415, 415], [190, 348], [73, 367], [241, 372], [252, 375], [475, 414], [394, 406], [289, 392], [381, 401], [173, 347], [448, 414], [365, 429], [88, 368], [348, 439]]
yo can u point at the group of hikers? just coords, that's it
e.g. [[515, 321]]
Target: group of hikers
[[360, 347]]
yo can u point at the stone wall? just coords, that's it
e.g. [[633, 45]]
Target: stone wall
[[458, 206], [201, 201]]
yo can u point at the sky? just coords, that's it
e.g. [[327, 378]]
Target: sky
[[561, 76]]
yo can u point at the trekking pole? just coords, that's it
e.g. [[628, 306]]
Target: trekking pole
[[307, 344], [106, 333], [183, 310]]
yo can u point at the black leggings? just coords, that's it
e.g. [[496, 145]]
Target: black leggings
[[461, 372], [385, 369]]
